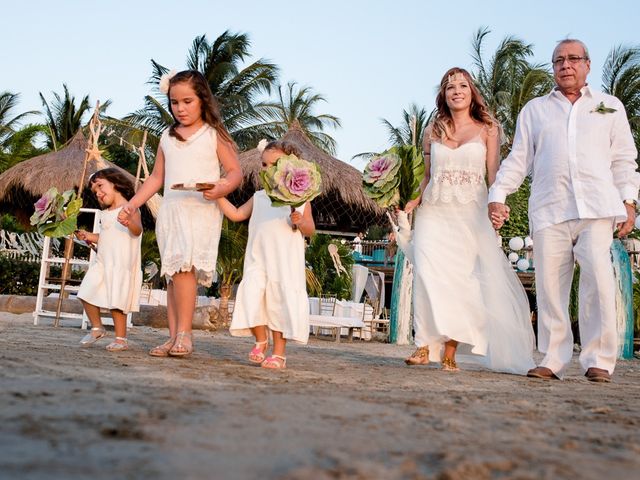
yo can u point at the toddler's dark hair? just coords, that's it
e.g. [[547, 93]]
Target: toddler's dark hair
[[289, 148], [120, 181]]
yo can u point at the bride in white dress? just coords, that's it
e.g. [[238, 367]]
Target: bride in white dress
[[466, 296]]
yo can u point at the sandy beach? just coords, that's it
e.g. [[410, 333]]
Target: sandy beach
[[340, 411]]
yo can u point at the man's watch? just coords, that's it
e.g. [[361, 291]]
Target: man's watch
[[630, 201]]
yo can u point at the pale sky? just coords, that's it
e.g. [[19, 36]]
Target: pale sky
[[370, 59]]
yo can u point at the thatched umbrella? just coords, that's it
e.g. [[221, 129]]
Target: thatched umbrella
[[342, 206], [23, 184]]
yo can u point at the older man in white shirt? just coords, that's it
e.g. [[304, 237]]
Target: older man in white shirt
[[577, 146]]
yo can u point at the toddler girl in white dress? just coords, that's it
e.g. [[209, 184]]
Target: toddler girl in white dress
[[272, 294], [114, 278]]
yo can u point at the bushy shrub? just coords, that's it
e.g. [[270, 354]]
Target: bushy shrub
[[18, 276]]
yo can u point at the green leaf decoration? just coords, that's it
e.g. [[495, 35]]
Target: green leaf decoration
[[602, 109]]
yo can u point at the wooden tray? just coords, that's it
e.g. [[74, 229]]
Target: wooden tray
[[198, 187]]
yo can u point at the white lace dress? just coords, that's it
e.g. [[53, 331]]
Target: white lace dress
[[273, 289], [188, 227], [114, 278], [464, 286]]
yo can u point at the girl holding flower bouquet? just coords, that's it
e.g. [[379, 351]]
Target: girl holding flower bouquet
[[114, 278], [272, 294], [188, 227]]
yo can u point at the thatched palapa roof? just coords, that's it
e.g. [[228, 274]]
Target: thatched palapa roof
[[342, 205], [24, 183]]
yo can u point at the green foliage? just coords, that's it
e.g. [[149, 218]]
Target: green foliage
[[10, 223], [122, 157], [231, 249], [518, 202], [621, 78], [296, 104], [507, 80], [321, 264], [377, 232], [235, 85], [63, 117], [573, 295], [18, 277]]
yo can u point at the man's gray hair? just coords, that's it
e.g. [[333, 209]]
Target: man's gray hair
[[571, 40]]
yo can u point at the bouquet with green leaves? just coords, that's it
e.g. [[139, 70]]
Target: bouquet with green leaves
[[291, 181], [392, 178], [56, 214]]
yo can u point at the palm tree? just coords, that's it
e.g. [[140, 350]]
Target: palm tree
[[409, 132], [507, 80], [63, 118], [236, 88], [21, 145], [16, 143], [621, 78], [296, 104]]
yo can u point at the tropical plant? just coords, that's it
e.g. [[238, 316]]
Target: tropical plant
[[507, 80], [320, 263], [233, 243], [21, 145], [17, 142], [63, 117], [409, 132], [235, 86], [621, 78], [295, 104]]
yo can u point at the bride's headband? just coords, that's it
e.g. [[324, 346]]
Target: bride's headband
[[164, 81], [456, 77]]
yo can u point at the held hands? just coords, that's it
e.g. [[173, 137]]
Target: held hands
[[82, 235], [124, 217], [624, 228], [412, 204], [498, 214], [296, 218], [216, 192]]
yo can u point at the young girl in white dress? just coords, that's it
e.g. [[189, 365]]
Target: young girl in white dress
[[114, 278], [272, 294], [189, 223], [466, 295]]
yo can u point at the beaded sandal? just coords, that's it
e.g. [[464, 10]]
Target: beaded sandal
[[419, 357], [119, 345], [256, 355], [449, 365], [180, 350], [162, 350], [90, 338], [275, 362]]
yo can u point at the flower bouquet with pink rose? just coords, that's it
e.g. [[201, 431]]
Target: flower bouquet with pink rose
[[291, 181], [392, 178], [56, 214]]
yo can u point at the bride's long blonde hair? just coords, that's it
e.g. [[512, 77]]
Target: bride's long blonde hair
[[442, 127]]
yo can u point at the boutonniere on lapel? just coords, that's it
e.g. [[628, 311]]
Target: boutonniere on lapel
[[602, 109]]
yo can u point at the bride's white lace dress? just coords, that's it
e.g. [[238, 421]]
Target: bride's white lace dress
[[464, 287]]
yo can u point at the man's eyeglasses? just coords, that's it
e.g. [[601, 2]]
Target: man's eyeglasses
[[572, 59]]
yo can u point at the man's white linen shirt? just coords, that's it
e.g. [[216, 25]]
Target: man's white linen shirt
[[582, 162]]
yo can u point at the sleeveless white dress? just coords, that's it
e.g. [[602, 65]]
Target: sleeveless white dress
[[464, 287], [273, 289], [188, 227], [114, 277]]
